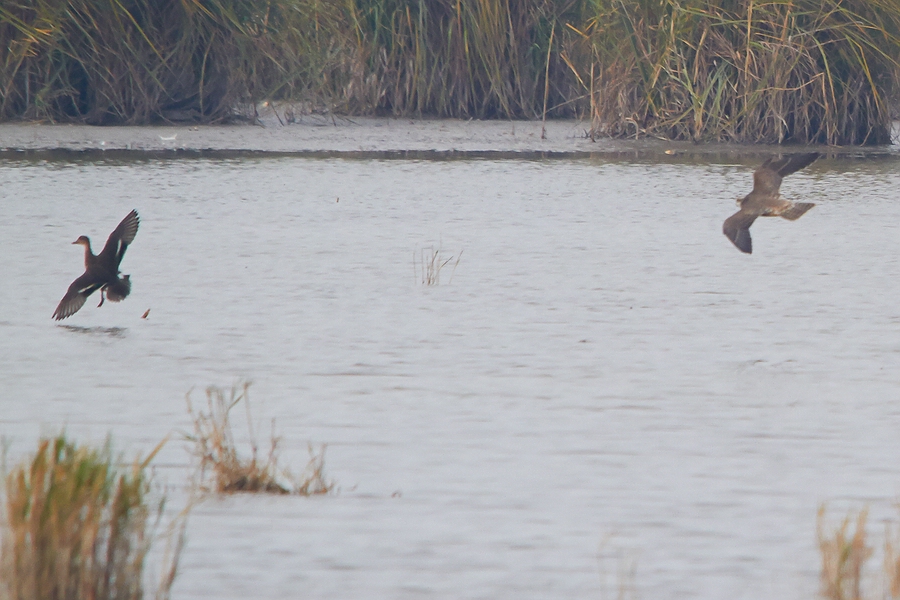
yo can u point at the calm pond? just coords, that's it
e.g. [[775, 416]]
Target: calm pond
[[599, 380]]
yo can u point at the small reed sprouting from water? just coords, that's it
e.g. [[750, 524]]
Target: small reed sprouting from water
[[219, 460], [313, 480], [77, 526], [618, 571], [430, 262]]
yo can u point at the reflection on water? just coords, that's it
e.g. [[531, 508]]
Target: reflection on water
[[107, 331], [604, 368]]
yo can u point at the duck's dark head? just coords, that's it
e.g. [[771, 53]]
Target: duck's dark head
[[83, 241]]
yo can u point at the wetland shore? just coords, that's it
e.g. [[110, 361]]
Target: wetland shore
[[362, 137]]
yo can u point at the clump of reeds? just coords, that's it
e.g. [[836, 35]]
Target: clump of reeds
[[429, 264], [844, 553], [77, 526], [892, 562], [220, 460], [313, 480], [142, 60], [806, 71]]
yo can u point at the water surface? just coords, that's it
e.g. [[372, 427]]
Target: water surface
[[604, 376]]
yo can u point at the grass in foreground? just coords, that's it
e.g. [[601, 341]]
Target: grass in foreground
[[77, 526], [844, 553], [224, 471]]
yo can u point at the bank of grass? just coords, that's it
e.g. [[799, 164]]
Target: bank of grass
[[78, 526], [135, 61], [800, 71], [743, 70], [222, 467]]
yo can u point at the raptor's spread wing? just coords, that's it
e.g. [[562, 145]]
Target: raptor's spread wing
[[767, 178], [737, 229]]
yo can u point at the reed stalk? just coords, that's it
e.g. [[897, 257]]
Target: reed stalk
[[844, 554], [223, 468], [77, 526], [802, 71], [772, 71], [431, 262]]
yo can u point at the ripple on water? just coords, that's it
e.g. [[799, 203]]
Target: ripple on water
[[605, 374]]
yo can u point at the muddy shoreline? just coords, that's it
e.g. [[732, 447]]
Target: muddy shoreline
[[365, 137]]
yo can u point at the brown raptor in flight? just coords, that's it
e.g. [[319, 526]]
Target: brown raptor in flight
[[765, 199]]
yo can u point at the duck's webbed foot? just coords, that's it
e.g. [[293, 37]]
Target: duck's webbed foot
[[102, 298]]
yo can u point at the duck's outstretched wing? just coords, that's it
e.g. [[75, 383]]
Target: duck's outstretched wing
[[76, 296], [737, 229], [767, 178], [119, 240]]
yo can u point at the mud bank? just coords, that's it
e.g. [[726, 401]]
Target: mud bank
[[312, 135]]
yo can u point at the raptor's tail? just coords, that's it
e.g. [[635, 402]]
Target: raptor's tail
[[796, 210]]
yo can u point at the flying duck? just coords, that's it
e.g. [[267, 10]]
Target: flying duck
[[101, 271]]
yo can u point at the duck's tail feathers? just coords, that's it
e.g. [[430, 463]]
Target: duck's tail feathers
[[796, 210], [119, 290]]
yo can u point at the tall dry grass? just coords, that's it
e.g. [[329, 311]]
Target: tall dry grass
[[77, 526], [844, 553], [135, 61], [775, 71], [742, 70], [223, 468], [846, 549]]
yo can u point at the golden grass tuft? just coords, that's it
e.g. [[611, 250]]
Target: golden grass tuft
[[892, 562], [220, 461], [844, 553], [76, 526]]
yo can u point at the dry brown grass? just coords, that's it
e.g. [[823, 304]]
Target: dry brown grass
[[219, 460], [77, 526], [313, 480], [803, 71], [844, 553], [892, 562], [806, 71]]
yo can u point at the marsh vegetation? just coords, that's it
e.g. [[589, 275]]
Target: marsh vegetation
[[845, 551], [224, 469], [804, 71], [429, 263], [76, 525]]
